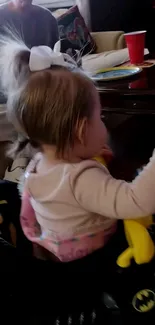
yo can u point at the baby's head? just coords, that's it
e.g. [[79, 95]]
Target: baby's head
[[54, 108]]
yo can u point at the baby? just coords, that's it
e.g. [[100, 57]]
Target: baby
[[71, 203]]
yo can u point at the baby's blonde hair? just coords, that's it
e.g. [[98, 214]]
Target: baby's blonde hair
[[45, 106]]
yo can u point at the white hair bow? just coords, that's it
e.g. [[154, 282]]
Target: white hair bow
[[43, 57]]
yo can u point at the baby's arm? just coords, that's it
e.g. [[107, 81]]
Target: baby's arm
[[98, 192]]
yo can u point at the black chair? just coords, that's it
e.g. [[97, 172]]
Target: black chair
[[38, 292]]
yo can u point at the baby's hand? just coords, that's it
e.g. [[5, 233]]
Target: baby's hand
[[106, 153]]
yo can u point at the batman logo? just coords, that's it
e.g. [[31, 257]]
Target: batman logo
[[144, 301]]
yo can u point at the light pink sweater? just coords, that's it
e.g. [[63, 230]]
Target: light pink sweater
[[74, 202]]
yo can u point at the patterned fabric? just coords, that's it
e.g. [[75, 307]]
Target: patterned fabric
[[15, 171], [65, 249], [73, 29]]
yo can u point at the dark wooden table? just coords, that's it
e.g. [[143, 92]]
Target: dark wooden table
[[133, 140], [130, 96]]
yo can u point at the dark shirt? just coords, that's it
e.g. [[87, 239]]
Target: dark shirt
[[35, 26]]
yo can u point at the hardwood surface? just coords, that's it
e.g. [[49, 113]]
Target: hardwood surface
[[133, 143], [133, 138], [135, 95]]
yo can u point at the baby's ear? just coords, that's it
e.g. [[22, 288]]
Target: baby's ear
[[81, 130]]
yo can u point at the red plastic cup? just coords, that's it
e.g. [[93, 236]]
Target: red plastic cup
[[136, 42], [139, 84]]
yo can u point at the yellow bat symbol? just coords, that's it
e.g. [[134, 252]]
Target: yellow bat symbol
[[144, 301]]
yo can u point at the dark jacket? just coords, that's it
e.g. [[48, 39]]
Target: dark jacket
[[35, 26]]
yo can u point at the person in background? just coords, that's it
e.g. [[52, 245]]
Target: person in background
[[33, 24]]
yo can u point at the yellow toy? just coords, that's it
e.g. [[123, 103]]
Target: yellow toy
[[141, 247]]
